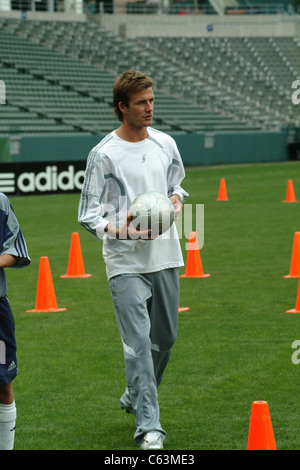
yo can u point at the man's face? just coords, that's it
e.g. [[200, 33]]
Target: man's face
[[139, 113]]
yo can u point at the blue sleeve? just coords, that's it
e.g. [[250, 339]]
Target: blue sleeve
[[12, 241]]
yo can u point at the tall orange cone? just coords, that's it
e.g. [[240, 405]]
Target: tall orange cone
[[295, 261], [45, 296], [261, 436], [75, 264], [193, 261], [290, 193], [222, 191], [297, 307]]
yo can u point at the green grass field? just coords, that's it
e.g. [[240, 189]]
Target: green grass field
[[233, 346]]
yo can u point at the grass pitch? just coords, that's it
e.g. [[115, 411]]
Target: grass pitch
[[233, 346]]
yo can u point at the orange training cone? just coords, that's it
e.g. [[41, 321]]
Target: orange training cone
[[193, 261], [297, 307], [290, 193], [222, 191], [75, 264], [295, 261], [183, 309], [261, 436], [45, 296]]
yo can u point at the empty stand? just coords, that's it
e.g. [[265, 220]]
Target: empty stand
[[249, 78], [59, 79]]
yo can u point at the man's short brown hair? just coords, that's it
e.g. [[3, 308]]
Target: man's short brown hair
[[127, 84]]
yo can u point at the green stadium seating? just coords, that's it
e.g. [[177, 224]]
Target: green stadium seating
[[59, 74]]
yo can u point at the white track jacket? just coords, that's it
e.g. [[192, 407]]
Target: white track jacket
[[117, 172]]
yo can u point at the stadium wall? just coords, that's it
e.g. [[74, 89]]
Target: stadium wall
[[46, 165], [5, 149], [196, 149], [134, 26]]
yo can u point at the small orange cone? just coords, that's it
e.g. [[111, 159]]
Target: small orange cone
[[297, 307], [261, 436], [295, 261], [193, 261], [222, 191], [75, 264], [183, 309], [290, 193], [45, 296]]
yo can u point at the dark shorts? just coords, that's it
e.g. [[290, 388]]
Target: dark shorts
[[8, 347]]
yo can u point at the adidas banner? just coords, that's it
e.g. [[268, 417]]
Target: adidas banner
[[41, 178]]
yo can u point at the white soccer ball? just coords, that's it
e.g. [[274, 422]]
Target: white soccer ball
[[152, 210]]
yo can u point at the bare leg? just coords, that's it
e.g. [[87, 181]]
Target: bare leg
[[6, 394]]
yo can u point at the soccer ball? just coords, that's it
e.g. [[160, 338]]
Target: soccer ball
[[152, 210]]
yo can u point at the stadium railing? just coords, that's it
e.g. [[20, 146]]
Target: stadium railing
[[160, 6]]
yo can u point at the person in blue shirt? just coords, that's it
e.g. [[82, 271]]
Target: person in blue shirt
[[13, 253]]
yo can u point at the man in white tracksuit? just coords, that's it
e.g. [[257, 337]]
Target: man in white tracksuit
[[143, 271]]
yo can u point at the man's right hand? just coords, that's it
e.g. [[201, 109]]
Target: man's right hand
[[128, 232]]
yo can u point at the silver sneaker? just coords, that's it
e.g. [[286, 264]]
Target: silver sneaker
[[152, 440]]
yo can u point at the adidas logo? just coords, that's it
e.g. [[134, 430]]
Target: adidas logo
[[12, 366]]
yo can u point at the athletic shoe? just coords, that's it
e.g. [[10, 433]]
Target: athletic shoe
[[152, 440]]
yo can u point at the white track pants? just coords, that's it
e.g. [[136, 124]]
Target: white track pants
[[146, 308]]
